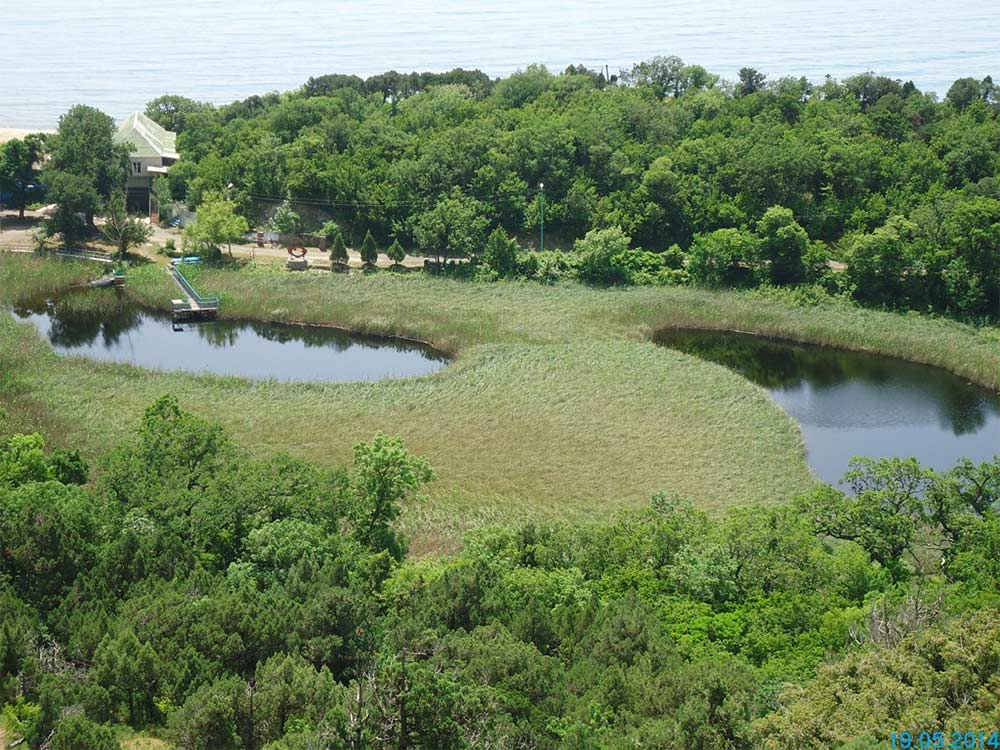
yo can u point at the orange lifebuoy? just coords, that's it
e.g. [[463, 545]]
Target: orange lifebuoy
[[297, 251]]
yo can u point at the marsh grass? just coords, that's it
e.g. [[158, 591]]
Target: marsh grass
[[25, 278], [555, 406]]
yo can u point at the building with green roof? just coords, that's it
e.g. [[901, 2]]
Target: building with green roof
[[154, 150]]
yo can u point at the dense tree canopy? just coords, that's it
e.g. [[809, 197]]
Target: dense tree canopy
[[235, 603], [85, 164], [870, 171]]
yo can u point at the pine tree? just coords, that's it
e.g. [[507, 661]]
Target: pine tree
[[396, 252], [369, 250], [338, 250]]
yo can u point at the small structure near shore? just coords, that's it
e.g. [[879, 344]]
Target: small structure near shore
[[193, 306]]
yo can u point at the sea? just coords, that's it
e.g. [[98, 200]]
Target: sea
[[119, 54]]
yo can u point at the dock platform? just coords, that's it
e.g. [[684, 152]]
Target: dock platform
[[192, 306]]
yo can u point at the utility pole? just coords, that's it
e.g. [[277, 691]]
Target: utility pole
[[541, 202]]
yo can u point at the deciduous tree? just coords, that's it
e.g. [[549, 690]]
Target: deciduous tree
[[120, 228], [216, 223]]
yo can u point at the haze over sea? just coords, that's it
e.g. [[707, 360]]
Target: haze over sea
[[118, 54]]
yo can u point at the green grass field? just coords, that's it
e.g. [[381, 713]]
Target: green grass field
[[556, 405]]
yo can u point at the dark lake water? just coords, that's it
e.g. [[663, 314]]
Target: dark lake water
[[104, 326], [853, 404]]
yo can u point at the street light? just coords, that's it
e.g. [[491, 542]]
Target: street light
[[541, 201]]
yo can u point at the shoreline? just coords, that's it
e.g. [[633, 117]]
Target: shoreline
[[9, 134]]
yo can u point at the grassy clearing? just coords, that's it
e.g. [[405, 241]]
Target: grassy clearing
[[144, 742], [556, 405]]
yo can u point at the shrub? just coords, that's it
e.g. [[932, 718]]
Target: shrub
[[285, 220], [499, 259], [596, 250]]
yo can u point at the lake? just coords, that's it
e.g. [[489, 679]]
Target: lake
[[117, 55], [855, 404], [106, 327]]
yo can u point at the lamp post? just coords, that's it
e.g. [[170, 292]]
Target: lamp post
[[541, 202]]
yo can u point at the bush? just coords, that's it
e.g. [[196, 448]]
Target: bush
[[285, 220], [725, 257], [79, 733], [547, 267], [170, 248], [634, 266], [499, 259], [596, 250]]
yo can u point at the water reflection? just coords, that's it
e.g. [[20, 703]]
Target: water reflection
[[849, 403], [104, 325]]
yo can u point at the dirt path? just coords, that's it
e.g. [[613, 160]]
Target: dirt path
[[268, 254]]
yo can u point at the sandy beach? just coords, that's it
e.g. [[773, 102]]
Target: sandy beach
[[8, 134]]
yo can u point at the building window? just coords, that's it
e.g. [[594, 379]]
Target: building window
[[137, 167]]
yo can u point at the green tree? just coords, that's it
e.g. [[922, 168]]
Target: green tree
[[290, 692], [338, 250], [455, 227], [120, 228], [127, 668], [369, 251], [330, 231], [596, 251], [783, 246], [49, 535], [17, 169], [662, 74], [750, 81], [883, 266], [22, 460], [873, 691], [884, 513], [396, 252], [75, 199], [500, 255], [209, 718], [385, 475], [286, 220], [723, 258], [162, 193], [964, 92], [79, 733], [973, 274], [216, 222], [171, 111], [84, 147]]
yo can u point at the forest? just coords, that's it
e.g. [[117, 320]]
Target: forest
[[866, 187], [223, 602]]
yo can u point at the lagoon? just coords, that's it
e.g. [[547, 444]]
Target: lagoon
[[103, 325], [856, 404]]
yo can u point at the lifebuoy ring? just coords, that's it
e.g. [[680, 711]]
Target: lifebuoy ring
[[297, 251]]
